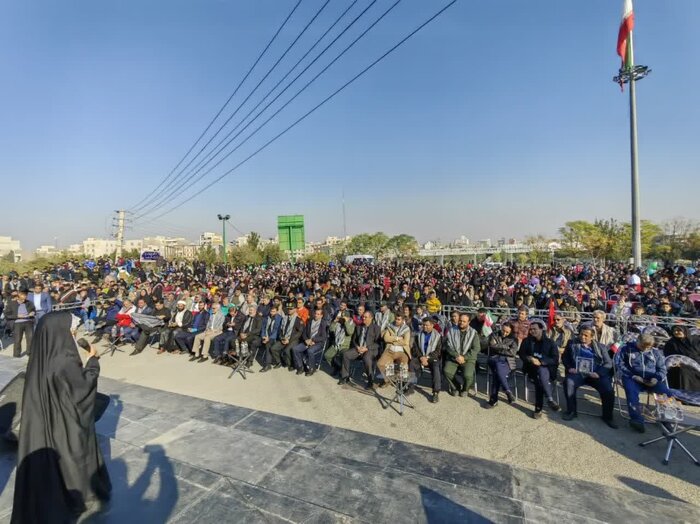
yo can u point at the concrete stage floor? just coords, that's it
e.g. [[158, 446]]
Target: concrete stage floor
[[179, 458]]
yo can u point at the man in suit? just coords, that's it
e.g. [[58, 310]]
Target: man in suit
[[185, 339], [314, 338], [202, 340], [250, 334], [21, 312], [426, 352], [365, 345], [41, 300], [270, 334], [220, 344], [132, 332], [160, 312], [291, 330]]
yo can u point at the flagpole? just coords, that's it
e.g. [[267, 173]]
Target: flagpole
[[629, 74], [636, 222]]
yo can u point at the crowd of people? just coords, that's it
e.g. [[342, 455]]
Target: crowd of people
[[444, 320]]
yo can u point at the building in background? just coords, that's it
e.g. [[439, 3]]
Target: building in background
[[210, 239], [7, 246], [290, 232], [46, 251]]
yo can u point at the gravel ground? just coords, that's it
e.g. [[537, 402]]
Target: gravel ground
[[583, 449]]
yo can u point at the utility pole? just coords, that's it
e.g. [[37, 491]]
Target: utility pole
[[223, 219], [121, 214]]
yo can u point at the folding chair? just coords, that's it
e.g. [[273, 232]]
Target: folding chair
[[400, 379], [117, 336], [671, 427], [240, 361]]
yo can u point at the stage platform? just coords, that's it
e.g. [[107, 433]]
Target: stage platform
[[175, 458]]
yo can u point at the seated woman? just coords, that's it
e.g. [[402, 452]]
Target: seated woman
[[502, 348], [682, 343]]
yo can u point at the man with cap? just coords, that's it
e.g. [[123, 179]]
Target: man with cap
[[426, 353]]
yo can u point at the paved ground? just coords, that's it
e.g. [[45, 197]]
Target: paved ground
[[506, 437]]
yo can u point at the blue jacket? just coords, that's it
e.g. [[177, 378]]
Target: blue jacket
[[646, 364], [274, 329], [45, 304], [200, 321], [602, 361]]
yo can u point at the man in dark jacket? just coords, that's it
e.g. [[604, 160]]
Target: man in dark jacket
[[314, 339], [365, 345], [280, 353], [540, 357], [426, 352], [21, 313], [588, 362]]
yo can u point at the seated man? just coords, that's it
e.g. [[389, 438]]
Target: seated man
[[280, 352], [461, 347], [397, 344], [185, 339], [384, 317], [643, 368], [132, 332], [159, 312], [502, 350], [314, 337], [426, 352], [270, 334], [220, 343], [588, 362], [179, 322], [365, 345], [540, 358], [342, 329], [249, 335], [202, 340]]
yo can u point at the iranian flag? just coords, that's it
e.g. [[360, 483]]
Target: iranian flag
[[623, 36]]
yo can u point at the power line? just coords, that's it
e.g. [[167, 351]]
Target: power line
[[323, 102], [179, 176], [178, 190], [274, 37], [208, 157]]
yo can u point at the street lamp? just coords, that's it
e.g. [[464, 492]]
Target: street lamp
[[223, 219]]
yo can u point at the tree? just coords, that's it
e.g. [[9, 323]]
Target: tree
[[208, 255], [317, 258], [539, 249], [10, 257], [272, 254], [366, 244], [254, 241], [402, 246], [245, 256]]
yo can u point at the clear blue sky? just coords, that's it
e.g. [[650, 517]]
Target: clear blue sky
[[498, 119]]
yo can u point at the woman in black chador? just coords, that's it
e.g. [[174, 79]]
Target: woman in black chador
[[60, 468]]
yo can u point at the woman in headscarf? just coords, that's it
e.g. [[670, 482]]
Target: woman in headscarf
[[60, 468], [683, 343]]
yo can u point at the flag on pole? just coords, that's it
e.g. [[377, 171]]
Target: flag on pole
[[623, 35], [551, 315]]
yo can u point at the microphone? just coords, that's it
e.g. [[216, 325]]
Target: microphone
[[83, 344]]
